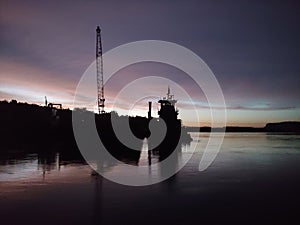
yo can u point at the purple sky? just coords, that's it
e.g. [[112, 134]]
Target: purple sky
[[252, 47]]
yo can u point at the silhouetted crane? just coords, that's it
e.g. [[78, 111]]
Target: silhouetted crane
[[99, 68]]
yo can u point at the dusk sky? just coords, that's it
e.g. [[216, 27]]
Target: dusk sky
[[252, 47]]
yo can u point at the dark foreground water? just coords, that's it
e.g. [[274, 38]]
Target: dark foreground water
[[255, 179]]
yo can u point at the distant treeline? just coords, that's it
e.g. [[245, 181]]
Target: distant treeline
[[282, 127], [22, 123]]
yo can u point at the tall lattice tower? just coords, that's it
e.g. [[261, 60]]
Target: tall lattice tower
[[99, 68]]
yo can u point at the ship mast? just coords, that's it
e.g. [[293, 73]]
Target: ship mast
[[99, 69], [170, 97]]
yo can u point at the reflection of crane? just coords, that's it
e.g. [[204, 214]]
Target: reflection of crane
[[99, 68]]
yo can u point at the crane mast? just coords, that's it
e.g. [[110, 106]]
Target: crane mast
[[99, 69]]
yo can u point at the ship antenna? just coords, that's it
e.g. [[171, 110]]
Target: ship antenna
[[168, 93]]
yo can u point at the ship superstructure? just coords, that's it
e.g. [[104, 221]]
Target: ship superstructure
[[167, 111]]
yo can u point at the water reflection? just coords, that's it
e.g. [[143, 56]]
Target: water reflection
[[250, 176], [20, 166], [16, 165], [260, 149], [145, 167]]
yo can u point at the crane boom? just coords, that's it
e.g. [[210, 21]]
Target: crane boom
[[99, 69]]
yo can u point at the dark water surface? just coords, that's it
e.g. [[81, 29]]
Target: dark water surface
[[255, 179]]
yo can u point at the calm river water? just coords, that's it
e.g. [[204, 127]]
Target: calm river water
[[255, 179]]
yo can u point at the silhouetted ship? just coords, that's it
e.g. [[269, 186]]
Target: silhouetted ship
[[175, 134], [172, 139], [28, 127]]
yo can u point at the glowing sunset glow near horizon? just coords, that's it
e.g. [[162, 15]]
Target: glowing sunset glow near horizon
[[252, 48]]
